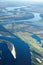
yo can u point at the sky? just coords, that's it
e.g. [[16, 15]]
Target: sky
[[24, 0]]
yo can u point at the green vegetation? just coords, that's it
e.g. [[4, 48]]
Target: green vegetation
[[34, 46]]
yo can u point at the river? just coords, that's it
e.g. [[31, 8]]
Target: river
[[23, 56]]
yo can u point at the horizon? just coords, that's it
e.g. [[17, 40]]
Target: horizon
[[30, 1]]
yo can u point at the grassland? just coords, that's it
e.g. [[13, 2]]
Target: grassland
[[34, 46]]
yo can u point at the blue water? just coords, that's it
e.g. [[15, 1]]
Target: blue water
[[36, 37], [22, 52], [35, 20], [22, 49]]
